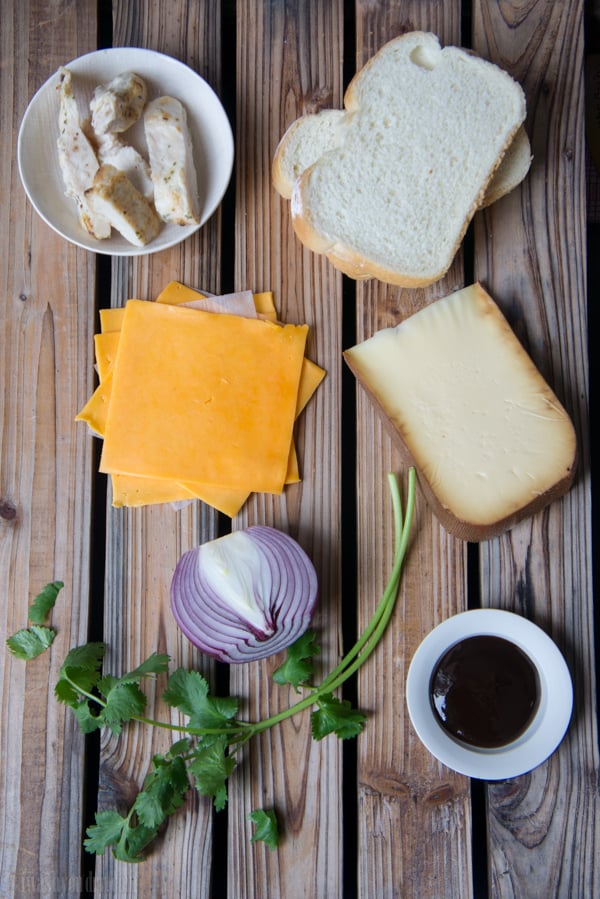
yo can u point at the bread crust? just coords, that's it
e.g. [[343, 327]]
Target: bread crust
[[513, 168]]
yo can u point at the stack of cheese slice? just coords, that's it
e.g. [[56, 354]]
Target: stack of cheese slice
[[197, 398]]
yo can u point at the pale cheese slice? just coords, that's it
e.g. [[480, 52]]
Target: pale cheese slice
[[229, 429], [490, 439], [176, 293]]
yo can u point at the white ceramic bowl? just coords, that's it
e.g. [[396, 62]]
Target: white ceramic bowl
[[38, 155], [549, 724]]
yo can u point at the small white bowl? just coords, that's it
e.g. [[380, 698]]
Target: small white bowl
[[549, 723], [37, 152]]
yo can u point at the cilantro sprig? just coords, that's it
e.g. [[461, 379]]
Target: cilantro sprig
[[203, 756], [32, 641]]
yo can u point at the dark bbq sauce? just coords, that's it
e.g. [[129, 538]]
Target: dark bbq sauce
[[484, 691]]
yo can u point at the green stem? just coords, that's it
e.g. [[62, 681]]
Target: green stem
[[165, 725], [388, 602], [81, 691], [370, 637], [402, 531], [196, 731]]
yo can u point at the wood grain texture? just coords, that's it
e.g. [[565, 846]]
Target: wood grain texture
[[289, 61], [405, 826], [144, 545], [530, 253], [46, 315], [409, 805]]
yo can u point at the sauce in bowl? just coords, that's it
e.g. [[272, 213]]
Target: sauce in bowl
[[485, 691]]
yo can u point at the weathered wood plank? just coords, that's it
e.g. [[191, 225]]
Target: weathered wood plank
[[46, 317], [288, 62], [531, 254], [414, 813], [144, 545]]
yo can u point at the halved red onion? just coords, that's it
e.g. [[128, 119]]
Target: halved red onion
[[244, 596]]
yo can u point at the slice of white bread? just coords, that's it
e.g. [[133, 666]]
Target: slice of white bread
[[489, 439], [425, 129], [513, 168], [312, 135]]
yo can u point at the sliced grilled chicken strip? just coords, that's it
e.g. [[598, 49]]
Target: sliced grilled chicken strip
[[128, 211], [171, 161], [77, 159], [112, 150], [116, 106]]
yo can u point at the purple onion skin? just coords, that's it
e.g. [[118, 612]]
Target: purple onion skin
[[287, 596]]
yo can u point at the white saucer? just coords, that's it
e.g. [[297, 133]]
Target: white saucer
[[37, 152], [549, 724]]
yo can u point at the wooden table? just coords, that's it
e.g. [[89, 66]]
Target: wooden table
[[378, 816]]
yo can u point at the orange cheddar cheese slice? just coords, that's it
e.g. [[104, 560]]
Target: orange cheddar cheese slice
[[105, 348], [136, 490], [203, 397], [128, 490], [95, 411], [175, 293], [265, 305], [111, 319], [131, 490]]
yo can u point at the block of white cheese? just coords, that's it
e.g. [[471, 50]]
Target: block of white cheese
[[490, 441]]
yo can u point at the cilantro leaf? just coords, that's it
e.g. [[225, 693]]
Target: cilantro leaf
[[112, 829], [298, 667], [180, 747], [123, 697], [79, 673], [123, 702], [87, 716], [30, 642], [44, 602], [188, 691], [267, 828], [134, 840], [156, 663], [66, 693], [105, 832], [164, 791], [210, 769], [336, 716], [87, 660]]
